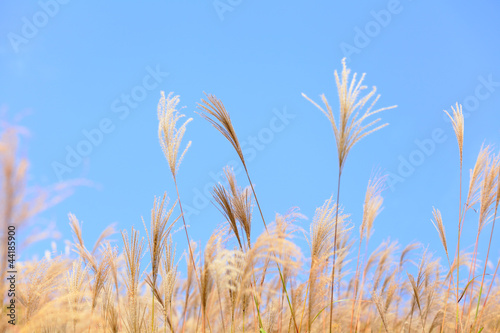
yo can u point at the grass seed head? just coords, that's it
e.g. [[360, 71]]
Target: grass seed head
[[169, 133]]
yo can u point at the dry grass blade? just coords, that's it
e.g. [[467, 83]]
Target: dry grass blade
[[155, 290], [466, 288], [241, 201], [223, 201], [170, 135], [416, 294], [236, 206], [214, 111], [405, 252]]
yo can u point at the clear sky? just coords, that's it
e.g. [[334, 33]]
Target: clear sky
[[75, 67]]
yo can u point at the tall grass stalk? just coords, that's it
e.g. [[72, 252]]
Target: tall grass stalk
[[160, 230], [497, 201], [487, 198], [349, 129], [457, 120], [214, 112], [371, 208], [170, 136]]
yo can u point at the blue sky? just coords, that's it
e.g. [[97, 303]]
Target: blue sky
[[76, 66]]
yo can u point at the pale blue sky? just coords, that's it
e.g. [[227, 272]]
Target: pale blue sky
[[101, 64]]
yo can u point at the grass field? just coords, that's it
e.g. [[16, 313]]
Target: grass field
[[236, 285]]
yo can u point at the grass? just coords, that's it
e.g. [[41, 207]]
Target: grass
[[266, 285]]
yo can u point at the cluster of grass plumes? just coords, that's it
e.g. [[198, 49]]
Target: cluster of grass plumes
[[243, 282]]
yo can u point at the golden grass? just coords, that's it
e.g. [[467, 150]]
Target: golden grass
[[348, 130], [266, 285]]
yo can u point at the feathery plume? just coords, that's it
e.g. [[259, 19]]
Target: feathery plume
[[440, 227], [475, 176], [133, 248], [214, 111], [372, 205], [457, 120], [160, 229], [321, 245], [171, 136], [321, 230], [350, 127], [488, 193]]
